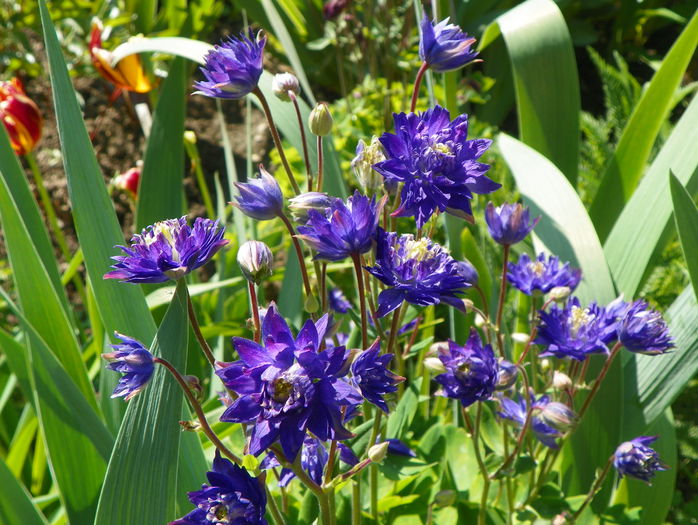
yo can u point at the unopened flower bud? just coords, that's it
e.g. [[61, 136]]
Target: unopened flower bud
[[434, 364], [563, 519], [560, 293], [545, 365], [558, 416], [190, 137], [190, 426], [508, 373], [561, 381], [283, 83], [128, 181], [256, 261], [311, 200], [445, 498], [467, 270], [366, 156], [320, 120], [520, 337], [479, 320], [468, 305], [311, 304], [378, 452]]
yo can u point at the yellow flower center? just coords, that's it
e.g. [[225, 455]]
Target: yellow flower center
[[579, 318], [537, 268]]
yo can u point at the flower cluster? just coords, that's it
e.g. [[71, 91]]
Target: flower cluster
[[542, 275]]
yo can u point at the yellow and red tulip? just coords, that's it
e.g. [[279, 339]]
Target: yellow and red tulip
[[128, 73], [21, 116]]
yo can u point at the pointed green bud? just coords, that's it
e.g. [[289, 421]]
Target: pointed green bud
[[378, 452], [320, 120], [311, 304]]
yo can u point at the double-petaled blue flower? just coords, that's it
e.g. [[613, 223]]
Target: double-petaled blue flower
[[516, 412], [233, 497], [168, 250], [444, 47], [471, 371], [288, 387], [576, 332], [541, 276], [438, 166], [371, 376], [417, 271], [643, 330], [260, 198], [636, 459], [346, 229], [133, 360], [232, 69], [509, 223]]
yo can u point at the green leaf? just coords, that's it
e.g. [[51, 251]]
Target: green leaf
[[635, 146], [564, 228], [645, 220], [660, 379], [77, 441], [121, 307], [545, 81], [194, 50], [686, 217], [38, 298], [161, 188], [16, 506], [401, 419], [18, 186], [145, 457], [164, 295]]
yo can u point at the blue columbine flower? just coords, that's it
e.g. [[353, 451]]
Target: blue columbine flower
[[509, 223], [232, 69], [576, 332], [636, 459], [168, 250], [444, 47], [260, 198], [338, 301], [471, 371], [417, 271], [643, 331], [287, 386], [371, 376], [515, 411], [437, 165], [133, 360], [541, 276], [345, 229], [233, 497]]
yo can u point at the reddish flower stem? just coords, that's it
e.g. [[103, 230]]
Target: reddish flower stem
[[417, 83]]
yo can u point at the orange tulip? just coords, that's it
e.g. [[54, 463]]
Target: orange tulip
[[21, 116], [128, 73]]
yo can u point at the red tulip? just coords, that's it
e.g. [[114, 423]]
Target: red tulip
[[21, 116], [128, 181]]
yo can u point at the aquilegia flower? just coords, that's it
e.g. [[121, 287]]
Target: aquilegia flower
[[232, 69], [436, 163], [509, 223], [444, 47], [471, 371], [516, 411], [133, 360], [417, 271], [576, 332], [345, 229], [642, 330], [371, 376], [541, 276], [168, 250], [636, 459], [260, 198], [233, 497], [288, 387]]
